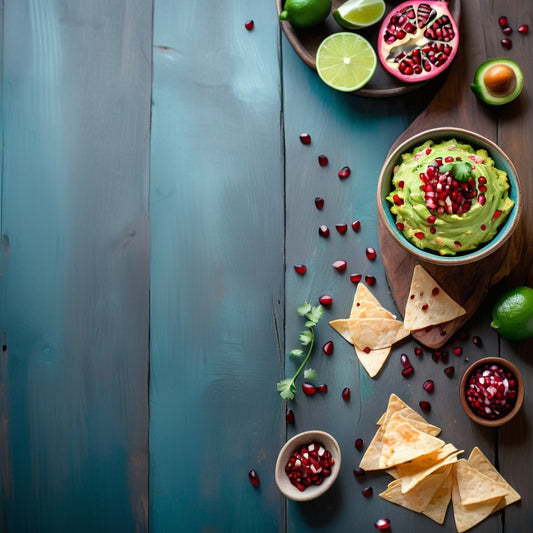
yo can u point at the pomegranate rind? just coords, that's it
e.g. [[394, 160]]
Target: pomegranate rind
[[420, 45], [480, 89]]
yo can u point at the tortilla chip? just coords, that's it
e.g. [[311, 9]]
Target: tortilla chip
[[373, 361], [370, 460], [424, 462], [479, 461], [437, 507], [396, 404], [428, 304], [362, 294], [376, 333], [342, 327]]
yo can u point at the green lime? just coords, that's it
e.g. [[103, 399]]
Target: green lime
[[356, 14], [512, 315], [345, 61], [305, 13]]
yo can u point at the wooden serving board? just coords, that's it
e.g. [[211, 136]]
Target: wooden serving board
[[455, 105]]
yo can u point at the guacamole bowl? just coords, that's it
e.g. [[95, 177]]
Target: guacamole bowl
[[470, 220]]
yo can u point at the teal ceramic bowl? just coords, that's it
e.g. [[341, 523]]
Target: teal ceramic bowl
[[477, 141]]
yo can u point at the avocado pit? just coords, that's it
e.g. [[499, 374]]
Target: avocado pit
[[500, 80]]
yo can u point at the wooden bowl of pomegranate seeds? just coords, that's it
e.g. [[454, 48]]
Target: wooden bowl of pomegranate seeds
[[307, 465], [492, 391]]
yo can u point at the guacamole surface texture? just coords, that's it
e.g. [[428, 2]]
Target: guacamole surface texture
[[449, 197]]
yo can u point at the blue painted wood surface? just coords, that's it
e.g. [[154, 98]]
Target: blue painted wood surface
[[155, 197]]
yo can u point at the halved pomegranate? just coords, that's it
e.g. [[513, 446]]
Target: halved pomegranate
[[418, 40]]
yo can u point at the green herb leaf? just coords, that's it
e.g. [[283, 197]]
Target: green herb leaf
[[461, 170], [286, 388], [297, 352], [310, 373], [306, 337], [303, 309]]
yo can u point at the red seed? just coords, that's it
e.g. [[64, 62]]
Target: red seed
[[341, 228], [435, 291], [339, 265], [408, 371], [323, 231], [404, 360], [326, 300], [400, 226], [322, 388], [502, 21], [249, 24], [356, 225], [322, 160], [346, 394], [359, 444], [419, 352], [356, 278], [253, 477], [367, 492], [476, 340], [425, 406], [319, 202], [344, 172], [359, 473], [371, 253], [308, 389], [328, 348], [367, 349], [457, 350], [289, 416], [507, 43], [507, 30], [449, 371], [371, 280], [300, 269], [523, 29], [305, 138], [419, 235], [428, 386], [383, 524]]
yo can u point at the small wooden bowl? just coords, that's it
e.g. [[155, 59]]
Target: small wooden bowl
[[295, 443], [507, 365]]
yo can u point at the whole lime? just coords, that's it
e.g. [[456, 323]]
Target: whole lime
[[305, 13], [512, 315]]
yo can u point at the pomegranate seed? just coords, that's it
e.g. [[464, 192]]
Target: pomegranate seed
[[419, 235], [497, 214], [346, 394], [319, 202], [300, 269], [383, 524], [371, 253], [431, 219], [341, 228], [397, 199], [367, 349], [425, 406], [367, 492], [400, 226], [322, 160], [502, 21], [523, 29], [323, 231], [408, 371], [404, 360], [419, 352], [249, 24], [326, 300], [344, 172], [507, 30], [359, 444], [309, 465], [457, 350], [339, 265], [356, 225], [359, 474], [507, 43], [328, 348], [428, 386], [308, 389], [436, 355], [356, 278], [305, 138], [449, 371], [253, 477], [289, 416], [322, 388], [477, 340], [370, 280]]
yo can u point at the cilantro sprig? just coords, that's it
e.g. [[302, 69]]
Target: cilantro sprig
[[287, 387], [460, 169]]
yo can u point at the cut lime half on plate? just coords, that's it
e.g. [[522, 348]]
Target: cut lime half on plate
[[345, 61], [356, 14]]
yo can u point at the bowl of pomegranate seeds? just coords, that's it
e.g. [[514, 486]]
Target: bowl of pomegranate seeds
[[492, 391], [307, 465], [449, 196]]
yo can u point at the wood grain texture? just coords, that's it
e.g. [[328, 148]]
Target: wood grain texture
[[75, 266]]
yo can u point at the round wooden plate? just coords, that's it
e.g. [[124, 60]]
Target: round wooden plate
[[306, 42]]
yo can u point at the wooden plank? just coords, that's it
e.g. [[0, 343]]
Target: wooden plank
[[217, 268], [76, 103]]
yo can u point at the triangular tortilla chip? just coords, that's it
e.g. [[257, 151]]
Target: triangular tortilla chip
[[362, 293], [373, 361], [480, 462], [424, 462], [370, 460], [475, 487], [427, 303], [396, 404], [376, 333], [342, 327], [437, 507]]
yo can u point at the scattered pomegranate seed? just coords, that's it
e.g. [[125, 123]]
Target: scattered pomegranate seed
[[435, 291], [319, 202], [358, 444], [449, 371], [457, 350], [344, 172], [507, 30], [428, 386], [322, 160], [503, 21], [523, 29], [339, 265], [356, 278], [308, 389], [419, 235], [419, 352], [359, 473], [305, 138], [371, 280], [249, 24], [408, 371], [323, 231], [425, 406], [405, 360], [300, 269], [356, 225], [328, 348], [341, 228], [367, 492], [400, 226], [383, 524], [322, 388], [476, 340], [507, 43], [326, 300], [309, 465], [367, 349], [289, 416], [371, 253], [253, 477], [397, 199], [497, 214], [346, 394]]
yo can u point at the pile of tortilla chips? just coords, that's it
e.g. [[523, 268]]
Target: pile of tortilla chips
[[428, 474], [373, 330]]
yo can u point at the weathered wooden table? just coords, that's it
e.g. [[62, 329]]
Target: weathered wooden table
[[155, 197]]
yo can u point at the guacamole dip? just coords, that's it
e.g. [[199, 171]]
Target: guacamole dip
[[448, 197]]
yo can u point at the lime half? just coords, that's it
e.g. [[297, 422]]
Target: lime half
[[345, 61], [355, 14]]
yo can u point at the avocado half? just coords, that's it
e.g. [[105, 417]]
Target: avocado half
[[498, 81]]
